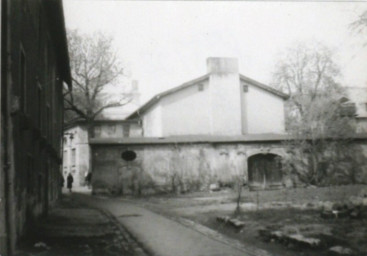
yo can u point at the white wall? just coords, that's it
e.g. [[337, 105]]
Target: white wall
[[225, 104], [265, 112], [152, 121], [224, 96], [80, 144], [187, 112]]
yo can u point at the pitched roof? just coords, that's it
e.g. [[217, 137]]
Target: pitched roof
[[161, 95], [264, 87]]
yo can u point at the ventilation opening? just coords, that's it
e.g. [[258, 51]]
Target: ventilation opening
[[128, 155]]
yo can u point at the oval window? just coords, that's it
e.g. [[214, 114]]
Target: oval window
[[128, 155]]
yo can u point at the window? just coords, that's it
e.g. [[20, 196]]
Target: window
[[73, 157], [126, 130], [111, 129], [23, 80], [97, 131], [200, 87], [65, 159], [245, 88]]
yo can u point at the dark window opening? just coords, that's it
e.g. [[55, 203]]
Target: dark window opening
[[128, 155], [245, 88], [201, 87]]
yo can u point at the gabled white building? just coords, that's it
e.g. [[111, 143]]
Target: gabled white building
[[222, 102]]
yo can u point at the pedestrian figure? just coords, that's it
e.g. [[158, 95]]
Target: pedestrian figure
[[70, 181], [88, 179]]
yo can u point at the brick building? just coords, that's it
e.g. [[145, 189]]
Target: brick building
[[35, 68]]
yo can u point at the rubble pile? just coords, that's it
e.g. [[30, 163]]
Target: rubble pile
[[234, 222], [354, 208]]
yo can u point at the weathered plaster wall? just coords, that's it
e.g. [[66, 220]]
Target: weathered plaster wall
[[265, 112], [79, 143], [171, 167], [187, 112], [152, 122]]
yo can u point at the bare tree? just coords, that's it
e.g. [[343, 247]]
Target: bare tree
[[359, 26], [316, 115], [95, 69]]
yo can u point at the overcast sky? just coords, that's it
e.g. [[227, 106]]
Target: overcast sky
[[165, 44]]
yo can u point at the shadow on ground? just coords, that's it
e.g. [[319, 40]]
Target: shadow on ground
[[73, 229]]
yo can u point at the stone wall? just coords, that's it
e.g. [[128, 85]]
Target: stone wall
[[172, 167]]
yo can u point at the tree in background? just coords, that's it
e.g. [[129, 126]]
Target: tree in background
[[318, 119], [96, 73], [359, 26]]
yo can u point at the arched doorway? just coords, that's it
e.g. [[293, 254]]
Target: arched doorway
[[265, 171]]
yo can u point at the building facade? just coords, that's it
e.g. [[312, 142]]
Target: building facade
[[209, 130], [76, 148], [222, 102], [35, 68]]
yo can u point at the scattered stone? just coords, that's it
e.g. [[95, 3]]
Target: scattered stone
[[327, 214], [237, 223], [356, 200], [214, 187], [327, 205], [289, 240], [304, 241], [363, 193], [41, 245], [356, 213], [224, 219], [339, 250], [233, 221]]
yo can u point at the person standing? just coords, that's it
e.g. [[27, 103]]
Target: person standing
[[69, 181], [88, 179]]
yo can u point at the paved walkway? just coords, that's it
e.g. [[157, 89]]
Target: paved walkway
[[72, 228], [159, 235]]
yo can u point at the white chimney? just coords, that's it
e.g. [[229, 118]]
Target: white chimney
[[222, 65], [225, 96]]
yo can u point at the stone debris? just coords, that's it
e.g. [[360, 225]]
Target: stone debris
[[339, 250], [41, 245], [289, 240], [214, 187], [354, 208], [233, 221]]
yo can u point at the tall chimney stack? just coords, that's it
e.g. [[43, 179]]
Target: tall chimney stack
[[225, 97]]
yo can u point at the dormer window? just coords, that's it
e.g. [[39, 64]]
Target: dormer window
[[244, 87], [200, 87]]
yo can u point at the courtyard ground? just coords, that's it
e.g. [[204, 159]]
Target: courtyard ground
[[295, 212]]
